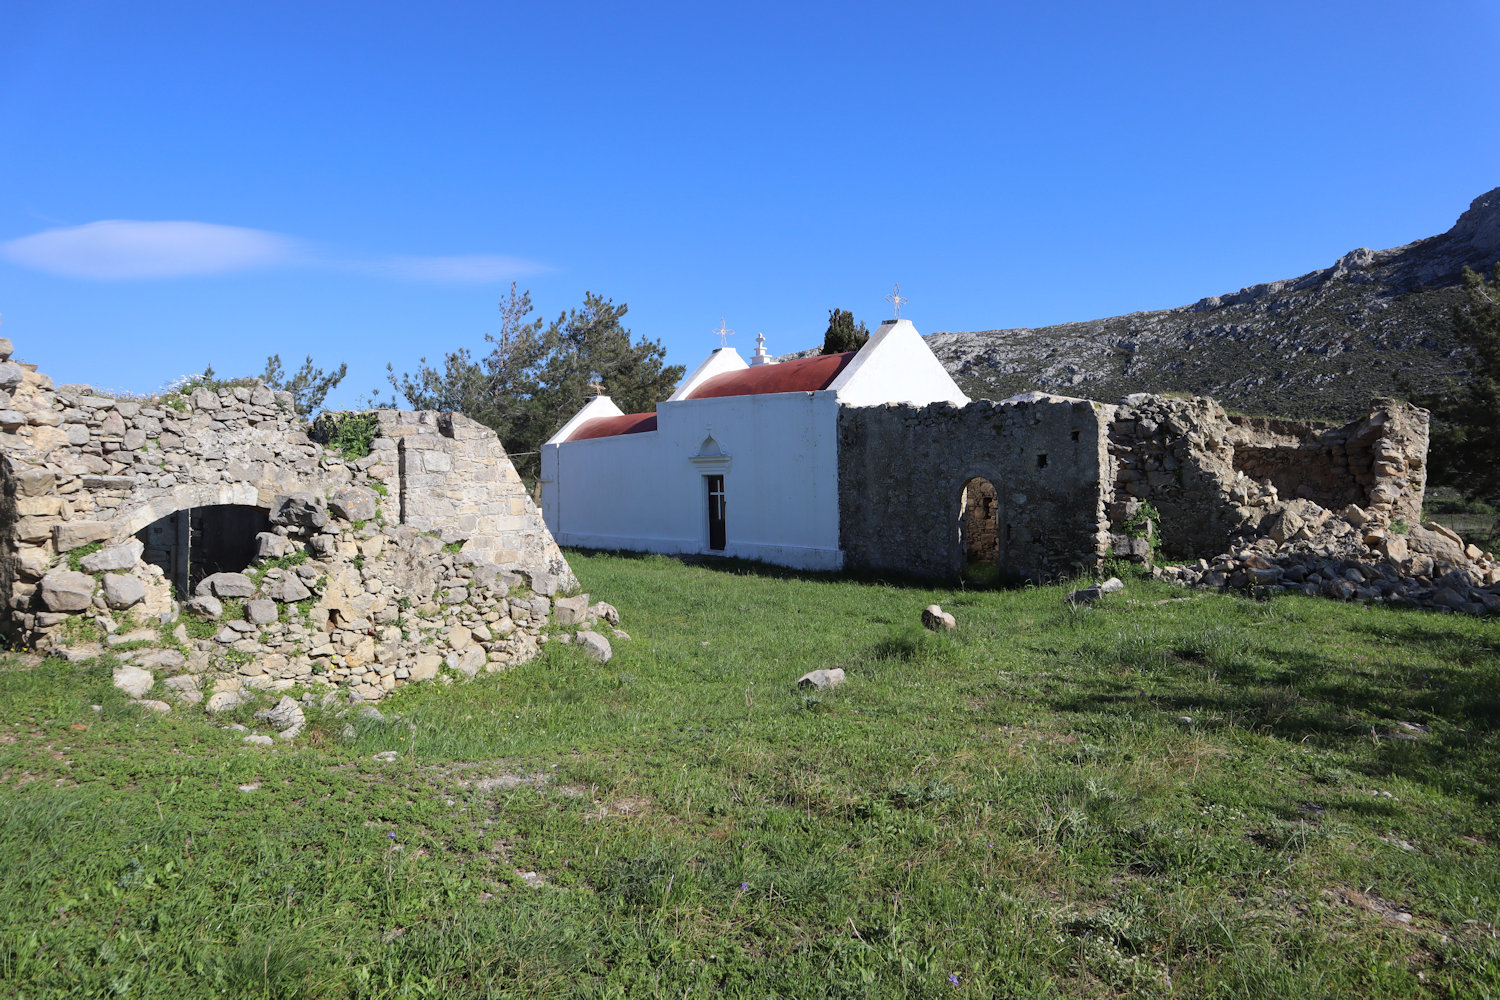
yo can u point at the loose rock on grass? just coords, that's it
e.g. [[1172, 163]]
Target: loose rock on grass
[[937, 620], [821, 679]]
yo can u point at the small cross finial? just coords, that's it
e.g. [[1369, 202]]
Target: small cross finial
[[897, 300], [597, 386], [723, 333]]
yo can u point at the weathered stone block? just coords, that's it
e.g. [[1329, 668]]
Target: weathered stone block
[[34, 483], [113, 557], [269, 545], [33, 561], [288, 590], [426, 667], [65, 590], [935, 619], [35, 529], [299, 510], [261, 612], [70, 535], [226, 585], [354, 503], [134, 681], [596, 646], [571, 610], [205, 606], [123, 591]]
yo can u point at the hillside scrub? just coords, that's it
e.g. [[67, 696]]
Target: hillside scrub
[[1168, 793], [1466, 416]]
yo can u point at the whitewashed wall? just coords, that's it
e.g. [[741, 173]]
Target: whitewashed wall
[[644, 491]]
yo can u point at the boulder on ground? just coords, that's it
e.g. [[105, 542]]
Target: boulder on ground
[[821, 678], [168, 658], [605, 612], [595, 645], [65, 590], [285, 714], [133, 680], [205, 605], [223, 701], [937, 620], [1089, 595]]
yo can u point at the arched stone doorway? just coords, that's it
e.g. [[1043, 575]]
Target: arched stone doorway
[[979, 527], [195, 542]]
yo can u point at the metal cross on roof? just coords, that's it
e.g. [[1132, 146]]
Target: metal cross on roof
[[724, 333], [597, 386], [897, 300]]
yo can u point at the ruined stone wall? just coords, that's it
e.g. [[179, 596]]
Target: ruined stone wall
[[1214, 477], [903, 470], [1378, 462], [1174, 454], [385, 568], [456, 480]]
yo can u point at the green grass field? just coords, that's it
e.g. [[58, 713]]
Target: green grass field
[[1172, 794]]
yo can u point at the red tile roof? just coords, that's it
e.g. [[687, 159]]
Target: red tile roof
[[802, 375], [599, 427]]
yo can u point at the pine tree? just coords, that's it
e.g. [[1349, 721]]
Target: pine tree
[[536, 377], [309, 386], [842, 334]]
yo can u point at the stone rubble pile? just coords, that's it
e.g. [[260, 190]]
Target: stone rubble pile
[[349, 603], [1352, 556], [1213, 477]]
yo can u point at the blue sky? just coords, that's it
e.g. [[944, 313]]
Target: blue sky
[[362, 181]]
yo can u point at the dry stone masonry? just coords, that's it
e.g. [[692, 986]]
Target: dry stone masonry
[[213, 543], [928, 490], [1043, 486]]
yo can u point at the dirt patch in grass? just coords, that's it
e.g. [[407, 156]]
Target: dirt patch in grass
[[1388, 912]]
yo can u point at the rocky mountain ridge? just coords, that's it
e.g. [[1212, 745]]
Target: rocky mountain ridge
[[1317, 346]]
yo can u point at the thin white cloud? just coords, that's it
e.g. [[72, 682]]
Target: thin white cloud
[[121, 250]]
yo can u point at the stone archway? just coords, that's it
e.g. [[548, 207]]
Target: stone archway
[[979, 527], [168, 502]]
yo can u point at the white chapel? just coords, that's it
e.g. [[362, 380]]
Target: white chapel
[[741, 461]]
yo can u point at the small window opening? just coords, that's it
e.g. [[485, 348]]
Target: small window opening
[[1041, 461], [1075, 435]]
